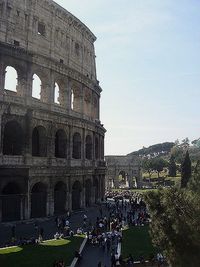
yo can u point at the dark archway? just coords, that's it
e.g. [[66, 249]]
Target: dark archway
[[38, 200], [13, 139], [60, 144], [88, 147], [96, 190], [76, 196], [11, 202], [96, 148], [88, 192], [76, 154], [60, 198], [39, 142]]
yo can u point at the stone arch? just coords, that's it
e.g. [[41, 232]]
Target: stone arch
[[36, 86], [39, 142], [11, 79], [96, 148], [11, 202], [60, 144], [60, 194], [76, 195], [96, 189], [76, 152], [13, 139], [38, 200], [88, 147], [88, 192]]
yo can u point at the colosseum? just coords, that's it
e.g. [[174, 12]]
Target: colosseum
[[52, 139]]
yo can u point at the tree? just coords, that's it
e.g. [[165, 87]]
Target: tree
[[158, 164], [185, 170], [172, 167], [147, 166], [175, 215]]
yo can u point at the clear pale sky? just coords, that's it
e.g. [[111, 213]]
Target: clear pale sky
[[148, 64]]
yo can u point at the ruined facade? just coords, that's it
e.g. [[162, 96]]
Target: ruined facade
[[123, 171], [52, 140]]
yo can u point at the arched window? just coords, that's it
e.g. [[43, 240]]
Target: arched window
[[39, 142], [60, 144], [36, 87], [56, 94], [13, 139], [76, 154], [11, 201], [72, 99], [11, 79], [60, 198], [76, 195], [88, 192], [96, 148], [88, 147], [38, 200]]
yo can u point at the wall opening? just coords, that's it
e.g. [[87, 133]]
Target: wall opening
[[11, 79], [38, 200], [76, 153], [60, 144], [39, 142], [56, 94], [76, 195], [13, 139], [36, 87], [88, 147], [60, 198], [72, 99]]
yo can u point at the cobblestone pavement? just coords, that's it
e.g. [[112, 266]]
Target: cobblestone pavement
[[26, 229]]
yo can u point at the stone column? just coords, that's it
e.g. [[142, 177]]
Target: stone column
[[1, 133], [83, 147], [2, 75]]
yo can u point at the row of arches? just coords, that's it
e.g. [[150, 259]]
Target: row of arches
[[11, 83], [13, 199], [14, 143]]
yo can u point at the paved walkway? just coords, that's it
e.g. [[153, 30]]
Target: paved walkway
[[26, 229]]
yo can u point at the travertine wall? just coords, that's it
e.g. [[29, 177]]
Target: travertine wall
[[40, 37]]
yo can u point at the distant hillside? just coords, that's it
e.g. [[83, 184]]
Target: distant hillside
[[154, 150]]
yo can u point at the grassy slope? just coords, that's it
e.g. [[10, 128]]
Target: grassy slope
[[42, 255], [136, 240]]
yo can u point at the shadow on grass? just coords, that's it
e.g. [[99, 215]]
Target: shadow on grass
[[42, 255], [137, 241]]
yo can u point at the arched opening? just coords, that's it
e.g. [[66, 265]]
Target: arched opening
[[76, 154], [60, 198], [39, 142], [11, 79], [102, 148], [60, 144], [96, 148], [88, 192], [123, 179], [88, 147], [36, 87], [76, 196], [13, 139], [56, 94], [11, 202], [38, 200], [96, 190], [72, 99]]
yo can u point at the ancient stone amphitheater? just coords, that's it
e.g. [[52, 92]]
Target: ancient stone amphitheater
[[52, 140]]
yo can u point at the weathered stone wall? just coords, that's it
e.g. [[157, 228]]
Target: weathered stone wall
[[128, 164], [40, 37]]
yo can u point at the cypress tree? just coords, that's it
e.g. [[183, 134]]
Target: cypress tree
[[172, 167], [185, 170]]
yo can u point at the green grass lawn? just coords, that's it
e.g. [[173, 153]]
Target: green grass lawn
[[137, 241], [42, 255]]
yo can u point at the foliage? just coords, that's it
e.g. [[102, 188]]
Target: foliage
[[154, 150], [147, 166], [186, 170], [172, 167], [158, 164], [175, 228]]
